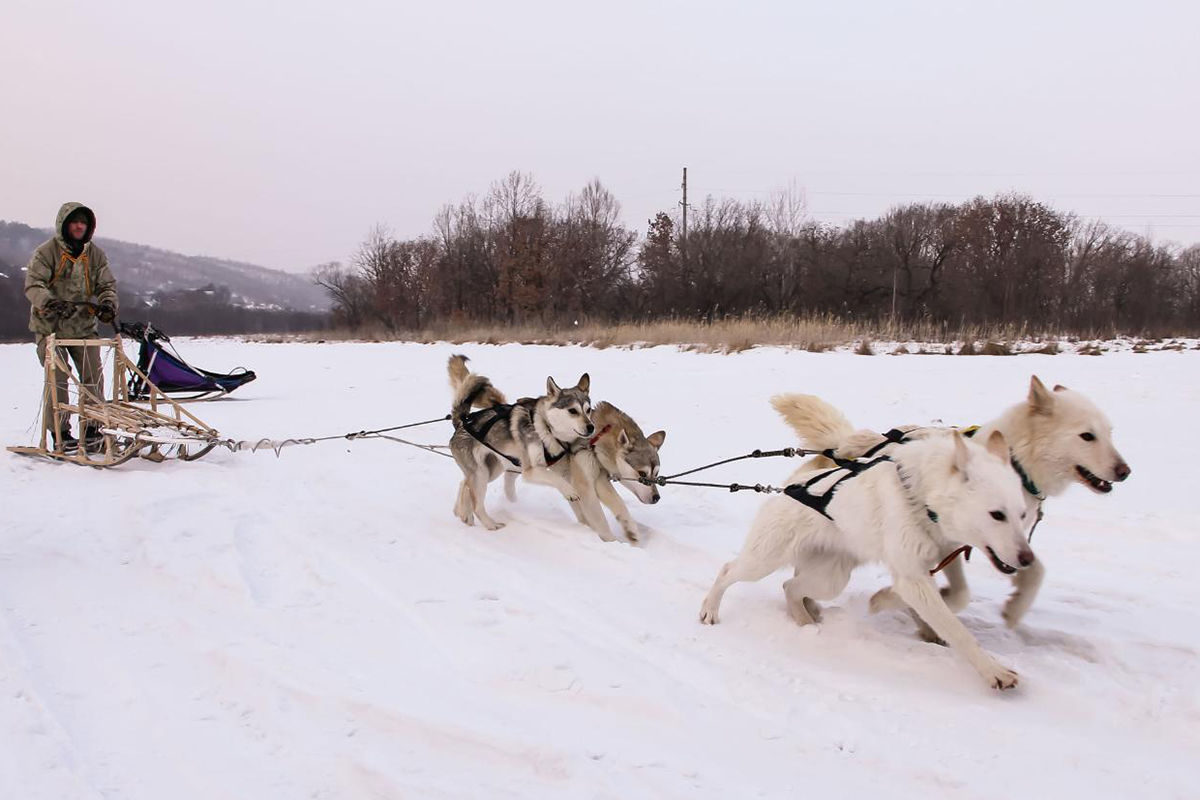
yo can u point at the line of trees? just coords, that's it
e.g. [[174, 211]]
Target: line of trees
[[510, 256]]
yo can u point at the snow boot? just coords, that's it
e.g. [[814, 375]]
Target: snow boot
[[65, 442], [93, 439]]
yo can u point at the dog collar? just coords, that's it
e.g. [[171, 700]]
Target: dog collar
[[1026, 482]]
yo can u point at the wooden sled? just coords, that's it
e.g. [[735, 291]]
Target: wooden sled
[[129, 430]]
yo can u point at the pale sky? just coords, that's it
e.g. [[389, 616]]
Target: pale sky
[[279, 133]]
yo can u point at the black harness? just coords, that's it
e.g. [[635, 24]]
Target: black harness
[[478, 429], [801, 492]]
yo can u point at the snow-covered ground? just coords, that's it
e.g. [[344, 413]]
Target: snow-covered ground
[[319, 625]]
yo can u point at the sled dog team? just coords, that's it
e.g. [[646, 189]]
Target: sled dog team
[[911, 499]]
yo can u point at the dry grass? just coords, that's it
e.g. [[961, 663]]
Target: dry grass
[[814, 333], [995, 349]]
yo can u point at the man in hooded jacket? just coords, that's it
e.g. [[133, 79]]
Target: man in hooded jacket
[[70, 287]]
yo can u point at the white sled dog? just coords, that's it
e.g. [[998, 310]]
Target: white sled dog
[[905, 509], [530, 435], [618, 451], [1057, 438]]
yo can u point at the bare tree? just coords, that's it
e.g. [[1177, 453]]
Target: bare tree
[[512, 257], [348, 291]]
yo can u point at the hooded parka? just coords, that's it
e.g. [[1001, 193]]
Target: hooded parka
[[65, 269]]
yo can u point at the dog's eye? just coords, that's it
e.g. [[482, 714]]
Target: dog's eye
[[643, 473], [999, 516], [574, 412], [1088, 437]]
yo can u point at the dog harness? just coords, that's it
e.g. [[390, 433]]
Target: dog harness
[[802, 492], [819, 502], [479, 430]]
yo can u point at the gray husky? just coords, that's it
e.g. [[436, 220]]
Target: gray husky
[[620, 452], [530, 435]]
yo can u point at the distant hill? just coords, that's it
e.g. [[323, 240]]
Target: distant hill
[[149, 272]]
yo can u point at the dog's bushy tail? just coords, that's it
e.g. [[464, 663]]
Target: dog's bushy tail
[[819, 425], [457, 369], [470, 390]]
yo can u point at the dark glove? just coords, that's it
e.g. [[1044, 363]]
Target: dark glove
[[106, 312], [58, 308]]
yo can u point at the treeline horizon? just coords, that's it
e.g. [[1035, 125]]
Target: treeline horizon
[[511, 257]]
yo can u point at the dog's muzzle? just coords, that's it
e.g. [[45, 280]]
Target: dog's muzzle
[[1025, 558], [1098, 484]]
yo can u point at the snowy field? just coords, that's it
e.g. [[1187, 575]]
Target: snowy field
[[319, 625]]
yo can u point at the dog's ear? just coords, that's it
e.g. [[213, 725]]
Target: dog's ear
[[997, 446], [1041, 401], [584, 384], [623, 439], [552, 387], [656, 439], [1058, 387], [962, 456]]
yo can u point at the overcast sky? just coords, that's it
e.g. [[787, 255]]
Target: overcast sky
[[279, 133]]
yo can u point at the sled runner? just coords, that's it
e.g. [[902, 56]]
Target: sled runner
[[126, 430], [170, 374]]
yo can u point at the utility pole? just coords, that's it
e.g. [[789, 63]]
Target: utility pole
[[893, 295], [683, 241], [684, 204]]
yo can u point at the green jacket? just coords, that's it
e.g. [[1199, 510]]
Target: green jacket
[[55, 274]]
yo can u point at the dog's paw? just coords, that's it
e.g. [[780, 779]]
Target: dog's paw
[[927, 634], [708, 615], [492, 525], [1014, 611], [1000, 678], [1011, 619], [814, 609], [631, 533], [804, 611]]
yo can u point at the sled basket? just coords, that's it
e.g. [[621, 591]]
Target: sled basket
[[167, 370]]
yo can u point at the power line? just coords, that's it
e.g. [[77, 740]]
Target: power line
[[1072, 195], [1104, 216], [1050, 194], [1080, 174]]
